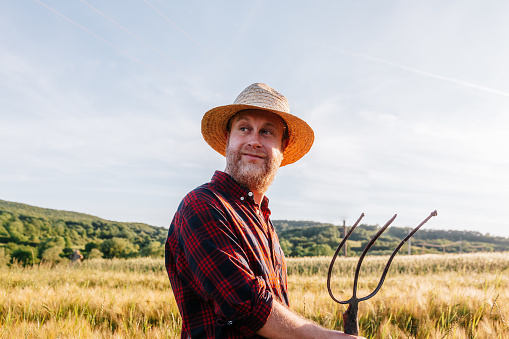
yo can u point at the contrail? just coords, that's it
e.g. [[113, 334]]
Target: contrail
[[92, 33], [414, 70], [186, 34], [427, 74], [130, 33]]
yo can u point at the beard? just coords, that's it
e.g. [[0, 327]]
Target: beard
[[256, 177]]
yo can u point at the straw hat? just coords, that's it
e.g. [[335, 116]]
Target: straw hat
[[263, 97]]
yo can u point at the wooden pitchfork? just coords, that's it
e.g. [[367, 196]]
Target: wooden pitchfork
[[350, 319]]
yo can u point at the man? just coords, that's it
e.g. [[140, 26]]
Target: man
[[223, 258], [76, 257]]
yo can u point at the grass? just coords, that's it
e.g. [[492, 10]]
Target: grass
[[428, 296], [88, 301]]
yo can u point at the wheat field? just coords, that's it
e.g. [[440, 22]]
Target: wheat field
[[428, 296]]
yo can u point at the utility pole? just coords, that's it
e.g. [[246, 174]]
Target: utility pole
[[409, 243], [344, 235]]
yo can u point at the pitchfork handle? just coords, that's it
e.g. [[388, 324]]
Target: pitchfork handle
[[350, 320]]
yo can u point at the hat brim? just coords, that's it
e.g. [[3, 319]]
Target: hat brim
[[214, 123]]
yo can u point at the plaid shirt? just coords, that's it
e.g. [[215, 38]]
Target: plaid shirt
[[224, 261]]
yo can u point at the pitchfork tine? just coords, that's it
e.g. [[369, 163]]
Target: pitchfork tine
[[387, 266], [336, 255], [368, 246], [350, 316]]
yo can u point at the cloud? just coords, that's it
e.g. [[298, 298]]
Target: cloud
[[380, 119]]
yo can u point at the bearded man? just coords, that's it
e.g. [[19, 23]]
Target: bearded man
[[222, 255]]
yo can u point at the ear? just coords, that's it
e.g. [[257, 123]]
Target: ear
[[285, 144], [226, 137]]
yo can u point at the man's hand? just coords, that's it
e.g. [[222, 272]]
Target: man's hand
[[283, 323]]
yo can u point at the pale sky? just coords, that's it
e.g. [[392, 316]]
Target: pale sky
[[101, 103]]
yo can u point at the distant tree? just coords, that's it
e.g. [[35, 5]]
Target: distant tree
[[74, 235], [50, 242], [3, 231], [118, 248], [11, 247], [34, 237], [95, 253], [52, 254], [16, 229], [91, 232], [25, 255], [127, 234], [298, 251], [59, 241], [319, 250], [66, 252], [4, 257], [60, 228], [286, 246], [91, 245], [30, 230], [153, 249]]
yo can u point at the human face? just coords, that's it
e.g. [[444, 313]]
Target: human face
[[254, 148]]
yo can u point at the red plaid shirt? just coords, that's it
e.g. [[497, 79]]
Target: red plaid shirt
[[224, 261]]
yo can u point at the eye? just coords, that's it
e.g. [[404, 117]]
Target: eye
[[269, 132]]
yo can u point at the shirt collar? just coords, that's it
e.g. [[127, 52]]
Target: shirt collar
[[224, 182]]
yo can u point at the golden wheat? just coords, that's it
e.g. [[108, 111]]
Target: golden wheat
[[80, 302], [428, 296]]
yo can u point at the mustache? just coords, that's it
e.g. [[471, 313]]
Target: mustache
[[256, 153]]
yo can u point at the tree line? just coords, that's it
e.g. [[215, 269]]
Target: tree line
[[303, 238], [30, 235]]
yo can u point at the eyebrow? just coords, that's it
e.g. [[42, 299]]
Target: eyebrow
[[270, 124]]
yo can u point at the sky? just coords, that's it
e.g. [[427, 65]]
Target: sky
[[101, 103]]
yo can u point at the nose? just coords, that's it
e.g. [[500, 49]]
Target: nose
[[255, 141]]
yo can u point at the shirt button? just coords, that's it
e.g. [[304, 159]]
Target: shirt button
[[242, 198], [250, 194]]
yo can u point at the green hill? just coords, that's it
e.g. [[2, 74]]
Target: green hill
[[30, 234], [309, 238]]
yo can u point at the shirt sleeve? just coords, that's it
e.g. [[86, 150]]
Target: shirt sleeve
[[216, 267]]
